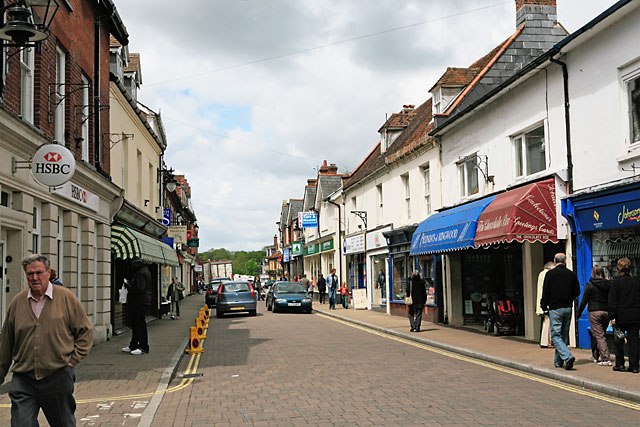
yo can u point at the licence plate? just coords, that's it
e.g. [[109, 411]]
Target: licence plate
[[237, 308], [294, 304]]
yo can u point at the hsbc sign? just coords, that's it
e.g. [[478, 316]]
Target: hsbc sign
[[53, 165]]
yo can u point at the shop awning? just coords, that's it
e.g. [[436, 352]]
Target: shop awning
[[525, 213], [127, 243], [448, 230]]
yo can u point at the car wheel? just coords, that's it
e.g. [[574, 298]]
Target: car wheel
[[218, 314], [274, 308], [252, 313], [309, 311]]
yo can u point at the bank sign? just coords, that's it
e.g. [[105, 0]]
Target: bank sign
[[53, 165], [308, 219], [79, 195]]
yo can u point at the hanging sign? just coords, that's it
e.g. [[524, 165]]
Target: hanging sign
[[178, 232], [53, 165], [308, 219]]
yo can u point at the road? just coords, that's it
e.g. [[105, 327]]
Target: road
[[300, 369]]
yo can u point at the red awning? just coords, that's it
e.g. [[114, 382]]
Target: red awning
[[525, 213]]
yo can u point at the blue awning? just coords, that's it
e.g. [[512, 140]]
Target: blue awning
[[449, 230]]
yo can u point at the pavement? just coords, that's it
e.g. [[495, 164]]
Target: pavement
[[513, 352]]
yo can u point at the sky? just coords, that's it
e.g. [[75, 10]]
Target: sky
[[256, 94]]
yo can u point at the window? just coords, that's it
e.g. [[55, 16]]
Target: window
[[139, 178], [5, 199], [468, 174], [634, 108], [26, 84], [59, 97], [36, 229], [380, 204], [437, 101], [59, 242], [84, 127], [529, 152], [427, 189], [407, 195]]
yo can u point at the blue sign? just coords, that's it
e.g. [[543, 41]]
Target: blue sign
[[286, 255], [166, 217], [308, 219]]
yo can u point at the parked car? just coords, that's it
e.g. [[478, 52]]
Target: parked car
[[288, 296], [236, 297], [211, 291]]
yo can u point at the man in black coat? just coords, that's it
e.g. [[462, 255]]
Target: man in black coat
[[322, 288], [624, 311], [138, 302], [418, 294], [560, 289]]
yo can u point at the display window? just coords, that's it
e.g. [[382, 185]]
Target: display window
[[379, 278], [399, 277], [425, 267], [608, 246]]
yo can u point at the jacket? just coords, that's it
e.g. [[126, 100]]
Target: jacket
[[596, 294], [322, 284], [140, 287], [560, 288], [417, 291], [624, 300], [335, 281]]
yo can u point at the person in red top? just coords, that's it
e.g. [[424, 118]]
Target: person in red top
[[344, 291]]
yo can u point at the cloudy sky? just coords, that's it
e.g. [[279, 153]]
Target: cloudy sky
[[255, 94]]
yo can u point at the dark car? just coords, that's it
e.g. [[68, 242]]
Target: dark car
[[211, 291], [234, 297], [288, 296]]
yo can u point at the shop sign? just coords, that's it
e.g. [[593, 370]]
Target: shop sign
[[308, 219], [178, 232], [197, 268], [286, 255], [53, 165], [359, 299], [296, 249], [353, 244], [193, 243], [166, 216], [626, 214], [375, 239], [79, 195], [326, 246], [311, 249]]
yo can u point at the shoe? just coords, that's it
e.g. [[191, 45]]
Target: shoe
[[411, 330], [559, 366], [126, 349], [633, 371], [605, 363], [619, 368], [173, 317], [569, 363], [417, 329], [137, 352], [593, 359]]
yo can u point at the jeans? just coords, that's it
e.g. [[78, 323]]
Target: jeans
[[415, 317], [332, 298], [560, 323]]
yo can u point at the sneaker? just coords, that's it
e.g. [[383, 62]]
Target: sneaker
[[137, 352], [126, 349], [593, 359], [605, 363], [569, 363], [173, 317]]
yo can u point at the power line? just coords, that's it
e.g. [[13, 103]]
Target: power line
[[310, 49]]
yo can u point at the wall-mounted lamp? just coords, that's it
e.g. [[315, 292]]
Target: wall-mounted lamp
[[28, 21]]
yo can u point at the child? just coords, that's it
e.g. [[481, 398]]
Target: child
[[344, 291]]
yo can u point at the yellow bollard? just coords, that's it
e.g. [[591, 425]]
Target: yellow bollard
[[195, 345], [200, 328]]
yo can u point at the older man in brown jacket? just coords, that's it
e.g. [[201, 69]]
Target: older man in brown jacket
[[45, 334]]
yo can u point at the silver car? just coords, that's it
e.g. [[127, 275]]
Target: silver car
[[236, 297]]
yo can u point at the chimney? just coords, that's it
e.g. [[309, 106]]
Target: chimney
[[312, 182], [332, 169], [324, 168], [408, 108], [536, 12], [275, 240]]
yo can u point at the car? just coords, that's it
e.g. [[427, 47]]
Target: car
[[211, 291], [234, 297], [288, 296]]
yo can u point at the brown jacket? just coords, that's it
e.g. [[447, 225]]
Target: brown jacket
[[62, 335]]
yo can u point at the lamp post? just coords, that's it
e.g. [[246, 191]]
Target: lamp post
[[28, 21]]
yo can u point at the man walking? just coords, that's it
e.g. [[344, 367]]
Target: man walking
[[306, 285], [560, 289], [45, 334], [322, 288], [332, 283], [138, 301], [173, 294]]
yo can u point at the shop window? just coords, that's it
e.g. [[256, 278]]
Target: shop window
[[379, 264], [633, 88], [611, 245], [425, 268], [468, 176], [529, 152], [26, 84], [399, 277]]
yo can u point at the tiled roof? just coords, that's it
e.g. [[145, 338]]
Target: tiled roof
[[329, 183], [113, 42], [134, 63], [371, 163], [398, 120], [455, 77], [414, 134], [295, 206]]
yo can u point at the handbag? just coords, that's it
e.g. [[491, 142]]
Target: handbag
[[122, 299], [618, 334], [408, 300], [180, 295]]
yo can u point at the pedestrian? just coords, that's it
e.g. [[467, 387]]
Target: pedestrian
[[173, 294], [138, 302], [45, 334], [307, 285], [596, 295], [418, 294], [322, 288], [332, 284], [256, 287], [624, 311], [344, 293], [53, 278], [382, 279], [560, 289], [545, 323]]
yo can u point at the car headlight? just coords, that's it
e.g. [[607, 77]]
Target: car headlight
[[281, 300], [306, 300]]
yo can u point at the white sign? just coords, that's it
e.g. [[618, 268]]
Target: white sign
[[354, 244], [359, 298], [375, 239], [198, 268], [79, 195], [178, 232], [53, 165]]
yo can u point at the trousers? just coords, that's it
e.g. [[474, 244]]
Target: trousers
[[139, 337], [415, 317], [632, 340]]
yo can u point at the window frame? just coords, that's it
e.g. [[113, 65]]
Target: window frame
[[36, 229], [84, 125], [520, 151], [26, 84], [380, 203], [631, 74], [464, 174], [59, 112], [425, 171], [407, 194]]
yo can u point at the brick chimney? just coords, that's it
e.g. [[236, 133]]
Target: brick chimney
[[536, 13], [332, 169], [275, 240], [324, 168], [312, 182]]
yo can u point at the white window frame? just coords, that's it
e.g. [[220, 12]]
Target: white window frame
[[407, 194], [521, 153], [466, 167], [84, 127], [437, 100], [26, 84], [426, 178], [380, 203], [628, 75], [59, 116], [36, 240]]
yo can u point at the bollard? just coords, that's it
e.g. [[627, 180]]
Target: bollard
[[195, 345], [200, 329]]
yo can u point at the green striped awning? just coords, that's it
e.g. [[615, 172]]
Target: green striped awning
[[127, 243]]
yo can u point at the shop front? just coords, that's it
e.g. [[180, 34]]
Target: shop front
[[606, 228], [327, 256], [311, 253], [353, 249], [377, 257], [401, 265], [297, 260]]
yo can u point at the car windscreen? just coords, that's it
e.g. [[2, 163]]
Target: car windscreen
[[236, 287], [290, 288]]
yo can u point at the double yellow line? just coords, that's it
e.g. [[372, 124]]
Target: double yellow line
[[489, 365]]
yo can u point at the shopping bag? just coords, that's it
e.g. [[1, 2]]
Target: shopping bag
[[123, 295]]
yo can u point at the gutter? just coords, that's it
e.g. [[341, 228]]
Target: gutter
[[339, 229], [567, 122]]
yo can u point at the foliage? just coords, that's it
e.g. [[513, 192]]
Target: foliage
[[243, 262]]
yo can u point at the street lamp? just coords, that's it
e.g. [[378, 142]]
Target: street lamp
[[28, 21]]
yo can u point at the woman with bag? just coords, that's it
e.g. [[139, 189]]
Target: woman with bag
[[596, 295], [416, 298], [624, 312]]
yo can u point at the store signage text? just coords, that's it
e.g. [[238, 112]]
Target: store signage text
[[53, 165], [353, 244], [308, 219], [79, 195]]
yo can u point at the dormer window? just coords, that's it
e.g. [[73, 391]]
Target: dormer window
[[437, 98]]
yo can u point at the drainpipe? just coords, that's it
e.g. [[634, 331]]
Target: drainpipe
[[97, 152], [339, 233], [567, 121]]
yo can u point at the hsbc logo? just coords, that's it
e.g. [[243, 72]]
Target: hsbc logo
[[52, 157], [53, 165]]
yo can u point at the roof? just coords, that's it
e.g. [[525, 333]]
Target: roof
[[283, 214], [398, 120], [370, 164], [309, 195], [118, 29], [295, 206], [134, 63], [328, 184]]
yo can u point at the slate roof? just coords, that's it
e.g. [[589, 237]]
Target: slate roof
[[309, 196], [295, 206], [329, 183], [283, 215]]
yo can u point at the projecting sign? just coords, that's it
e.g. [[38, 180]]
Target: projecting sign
[[353, 244], [166, 216], [308, 219], [53, 165], [178, 232]]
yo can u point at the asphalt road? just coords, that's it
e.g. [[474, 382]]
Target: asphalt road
[[301, 369]]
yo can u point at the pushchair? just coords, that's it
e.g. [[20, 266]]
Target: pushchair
[[504, 317]]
